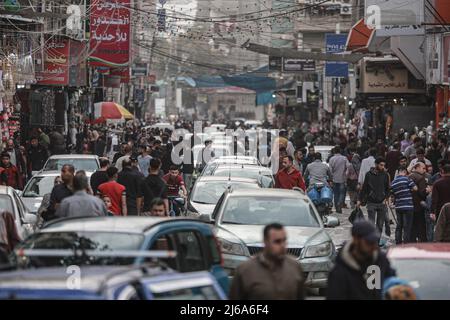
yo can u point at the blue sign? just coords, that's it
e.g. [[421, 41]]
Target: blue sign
[[162, 20], [335, 43]]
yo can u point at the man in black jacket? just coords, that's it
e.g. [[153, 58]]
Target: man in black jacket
[[37, 156], [361, 267], [375, 192]]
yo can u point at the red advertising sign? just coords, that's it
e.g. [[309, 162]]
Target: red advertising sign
[[123, 73], [56, 64], [110, 33]]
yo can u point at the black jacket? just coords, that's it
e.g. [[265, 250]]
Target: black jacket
[[348, 280], [37, 157], [375, 188]]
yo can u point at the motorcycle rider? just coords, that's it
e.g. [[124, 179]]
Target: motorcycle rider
[[317, 172]]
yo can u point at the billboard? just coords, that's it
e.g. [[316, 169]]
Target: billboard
[[56, 64], [336, 43], [110, 33], [395, 17], [446, 59], [434, 58]]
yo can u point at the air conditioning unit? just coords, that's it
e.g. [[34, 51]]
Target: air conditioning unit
[[346, 9]]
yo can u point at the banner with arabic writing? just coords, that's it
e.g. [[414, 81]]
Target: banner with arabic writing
[[55, 64], [110, 33]]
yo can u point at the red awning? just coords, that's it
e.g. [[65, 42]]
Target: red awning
[[359, 37]]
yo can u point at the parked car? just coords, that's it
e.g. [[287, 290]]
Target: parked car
[[208, 190], [247, 160], [87, 162], [425, 266], [153, 282], [262, 174], [253, 123], [36, 188], [194, 242], [11, 202], [241, 215]]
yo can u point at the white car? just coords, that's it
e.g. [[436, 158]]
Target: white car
[[86, 162], [24, 220], [253, 123], [241, 215], [219, 151], [325, 151]]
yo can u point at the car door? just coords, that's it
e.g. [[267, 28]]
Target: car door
[[25, 228]]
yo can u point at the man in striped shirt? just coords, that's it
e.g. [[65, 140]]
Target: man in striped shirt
[[402, 188]]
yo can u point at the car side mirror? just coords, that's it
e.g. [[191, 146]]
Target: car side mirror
[[206, 218], [30, 218], [331, 222], [19, 192]]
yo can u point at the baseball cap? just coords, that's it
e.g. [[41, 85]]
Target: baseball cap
[[366, 230]]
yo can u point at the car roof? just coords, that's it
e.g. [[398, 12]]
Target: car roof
[[420, 251], [137, 225], [93, 277], [74, 156], [268, 192], [5, 189], [52, 173], [245, 166], [220, 178]]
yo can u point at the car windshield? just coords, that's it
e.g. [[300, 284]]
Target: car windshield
[[6, 203], [39, 186], [265, 178], [209, 192], [89, 165], [82, 240], [433, 284], [265, 210]]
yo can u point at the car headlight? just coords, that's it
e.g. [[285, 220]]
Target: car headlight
[[319, 250], [231, 248]]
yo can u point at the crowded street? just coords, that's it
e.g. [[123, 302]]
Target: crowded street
[[185, 156]]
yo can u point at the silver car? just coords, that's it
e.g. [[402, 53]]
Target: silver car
[[262, 174], [87, 162], [208, 190], [39, 185], [24, 220], [239, 219]]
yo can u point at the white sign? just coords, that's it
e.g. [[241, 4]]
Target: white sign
[[434, 58], [179, 98], [395, 17], [160, 107]]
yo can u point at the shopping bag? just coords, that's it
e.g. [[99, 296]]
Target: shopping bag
[[356, 214]]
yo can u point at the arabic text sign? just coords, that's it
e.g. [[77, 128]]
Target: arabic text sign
[[335, 43], [56, 64], [110, 33], [293, 65]]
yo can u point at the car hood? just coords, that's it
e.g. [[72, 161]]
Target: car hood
[[203, 208], [252, 234], [32, 204]]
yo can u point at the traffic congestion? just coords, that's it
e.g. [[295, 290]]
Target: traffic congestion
[[236, 211]]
